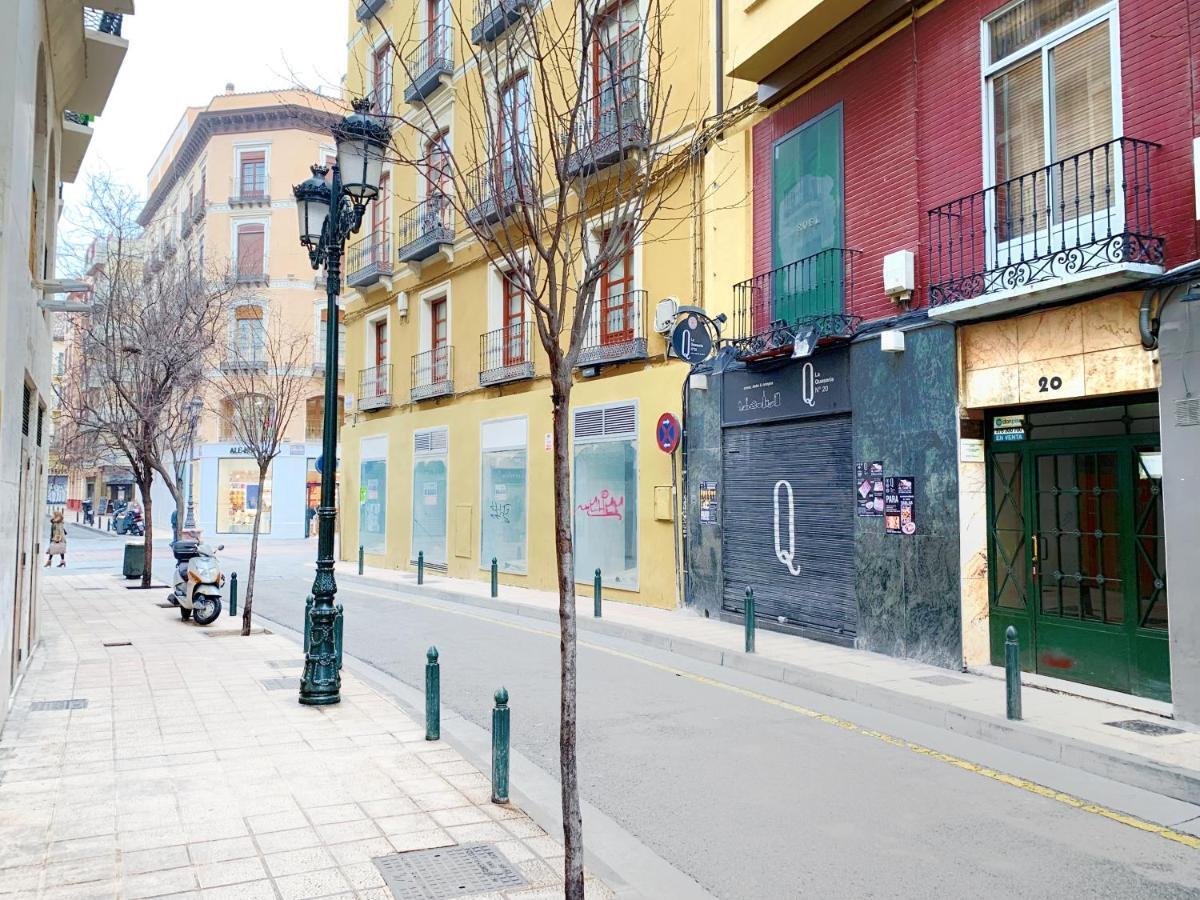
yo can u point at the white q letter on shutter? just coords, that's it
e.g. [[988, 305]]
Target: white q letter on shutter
[[788, 556]]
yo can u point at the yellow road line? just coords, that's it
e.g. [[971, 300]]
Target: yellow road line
[[1023, 784]]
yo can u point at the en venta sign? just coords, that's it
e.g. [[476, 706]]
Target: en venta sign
[[816, 386]]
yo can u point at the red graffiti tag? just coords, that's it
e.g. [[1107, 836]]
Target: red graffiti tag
[[603, 506]]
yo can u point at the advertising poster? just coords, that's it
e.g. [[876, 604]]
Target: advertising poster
[[869, 488], [708, 502], [899, 505]]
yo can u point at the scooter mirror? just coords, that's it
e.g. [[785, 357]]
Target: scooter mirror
[[220, 546]]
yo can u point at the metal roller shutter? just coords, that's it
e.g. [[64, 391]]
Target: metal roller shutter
[[801, 566]]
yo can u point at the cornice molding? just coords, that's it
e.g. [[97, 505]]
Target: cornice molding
[[285, 117]]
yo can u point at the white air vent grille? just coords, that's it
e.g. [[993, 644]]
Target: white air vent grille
[[599, 423], [1187, 412], [435, 440]]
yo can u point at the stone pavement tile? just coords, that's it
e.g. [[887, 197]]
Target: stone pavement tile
[[394, 806], [230, 871], [20, 879], [460, 815], [537, 872], [363, 875], [544, 846], [276, 822], [483, 831], [342, 832], [330, 815], [293, 862], [393, 825], [155, 860], [251, 890], [79, 871], [311, 884], [421, 840], [361, 851], [93, 891], [293, 839], [221, 850], [523, 828], [213, 829], [78, 848], [515, 851], [154, 884], [441, 800]]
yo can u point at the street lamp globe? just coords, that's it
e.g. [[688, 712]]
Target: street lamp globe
[[362, 142], [312, 205]]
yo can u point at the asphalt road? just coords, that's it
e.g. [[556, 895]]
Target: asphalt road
[[750, 798]]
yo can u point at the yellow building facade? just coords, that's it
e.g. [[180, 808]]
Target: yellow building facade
[[446, 450]]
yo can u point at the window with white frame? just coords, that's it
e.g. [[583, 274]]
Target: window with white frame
[[249, 333], [605, 494], [1052, 92]]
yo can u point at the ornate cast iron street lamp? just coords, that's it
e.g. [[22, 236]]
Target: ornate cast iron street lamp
[[195, 407], [329, 212]]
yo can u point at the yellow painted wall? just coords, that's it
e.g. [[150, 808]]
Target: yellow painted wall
[[765, 34]]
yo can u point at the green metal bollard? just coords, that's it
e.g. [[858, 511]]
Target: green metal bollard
[[596, 588], [308, 605], [1012, 672], [433, 696], [233, 594], [495, 579], [749, 620], [360, 558], [337, 634], [500, 748], [421, 567]]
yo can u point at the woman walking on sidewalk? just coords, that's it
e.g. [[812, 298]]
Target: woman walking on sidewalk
[[58, 539]]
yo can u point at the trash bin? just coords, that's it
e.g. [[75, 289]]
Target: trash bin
[[135, 560]]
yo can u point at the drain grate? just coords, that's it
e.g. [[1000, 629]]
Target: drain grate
[[448, 872], [48, 705], [941, 680], [1139, 726], [286, 663], [281, 684]]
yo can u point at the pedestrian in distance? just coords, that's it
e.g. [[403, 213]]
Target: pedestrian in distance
[[58, 539]]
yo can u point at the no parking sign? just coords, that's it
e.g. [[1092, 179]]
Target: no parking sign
[[667, 433]]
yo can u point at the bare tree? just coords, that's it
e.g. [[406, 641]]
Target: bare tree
[[144, 350], [573, 151], [262, 385]]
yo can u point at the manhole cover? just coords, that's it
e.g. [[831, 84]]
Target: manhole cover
[[285, 663], [1153, 729], [941, 680], [448, 872], [281, 684], [47, 705]]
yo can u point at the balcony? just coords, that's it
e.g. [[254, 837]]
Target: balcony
[[104, 52], [1077, 226], [250, 274], [492, 18], [185, 224], [432, 61], [426, 230], [369, 8], [249, 193], [199, 209], [804, 300], [608, 126], [169, 249], [498, 187], [504, 355], [76, 136], [616, 330], [375, 388], [248, 361], [154, 262], [369, 260], [432, 374]]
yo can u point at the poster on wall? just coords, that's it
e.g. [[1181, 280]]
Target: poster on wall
[[899, 504], [708, 503], [869, 488]]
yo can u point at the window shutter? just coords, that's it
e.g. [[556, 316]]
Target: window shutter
[[620, 420], [249, 312], [251, 240], [589, 423], [26, 403]]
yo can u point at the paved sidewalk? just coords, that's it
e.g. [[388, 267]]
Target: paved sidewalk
[[188, 769], [1062, 727]]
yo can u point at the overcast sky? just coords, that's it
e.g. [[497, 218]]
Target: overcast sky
[[182, 52]]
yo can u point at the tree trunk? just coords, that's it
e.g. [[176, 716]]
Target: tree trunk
[[564, 550], [262, 477], [148, 522]]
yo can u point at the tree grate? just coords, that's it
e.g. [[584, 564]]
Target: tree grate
[[448, 872], [49, 705], [281, 684], [1140, 726]]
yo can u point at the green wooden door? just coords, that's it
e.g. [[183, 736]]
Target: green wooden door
[[806, 233], [1076, 560]]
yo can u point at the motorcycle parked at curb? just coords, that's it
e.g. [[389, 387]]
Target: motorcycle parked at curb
[[198, 581], [129, 521]]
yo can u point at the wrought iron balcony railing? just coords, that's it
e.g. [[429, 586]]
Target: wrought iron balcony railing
[[425, 229], [496, 188], [429, 63], [432, 374], [608, 125], [616, 330], [807, 297], [1076, 216], [369, 259], [492, 18], [104, 22], [185, 223], [251, 273], [249, 193], [199, 209], [504, 354], [169, 248], [375, 388]]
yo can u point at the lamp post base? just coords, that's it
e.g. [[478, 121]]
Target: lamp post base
[[322, 681]]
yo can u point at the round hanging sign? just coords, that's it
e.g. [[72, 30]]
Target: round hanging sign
[[692, 339], [667, 433]]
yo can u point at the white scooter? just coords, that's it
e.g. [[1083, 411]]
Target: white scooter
[[198, 582]]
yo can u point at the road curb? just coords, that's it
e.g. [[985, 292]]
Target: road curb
[[1170, 781]]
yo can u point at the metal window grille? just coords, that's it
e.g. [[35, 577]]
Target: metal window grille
[[26, 404]]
